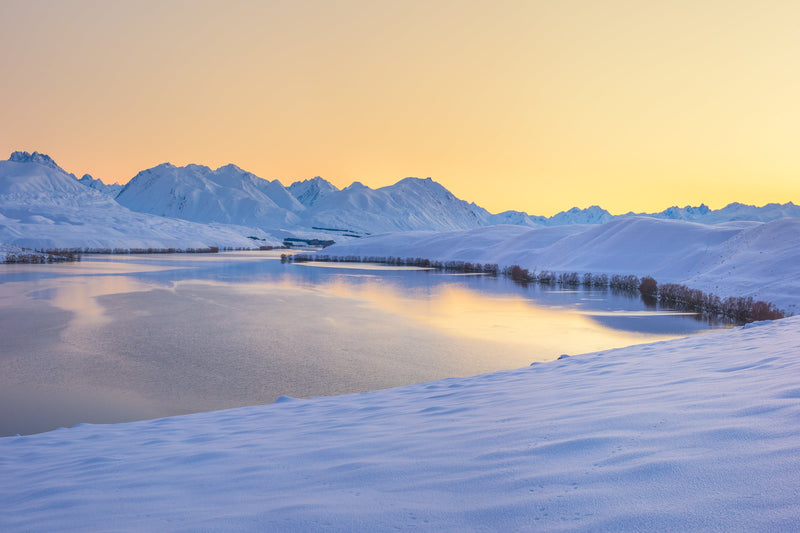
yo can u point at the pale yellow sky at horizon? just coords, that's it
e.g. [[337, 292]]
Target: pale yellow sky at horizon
[[527, 105]]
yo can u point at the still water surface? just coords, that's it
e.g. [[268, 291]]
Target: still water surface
[[119, 338]]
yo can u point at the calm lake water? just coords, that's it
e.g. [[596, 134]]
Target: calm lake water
[[120, 338]]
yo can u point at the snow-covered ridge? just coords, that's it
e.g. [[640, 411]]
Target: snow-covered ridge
[[311, 192], [111, 190], [694, 434], [755, 259], [35, 157]]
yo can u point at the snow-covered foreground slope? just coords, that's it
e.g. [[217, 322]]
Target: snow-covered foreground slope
[[755, 259], [694, 434]]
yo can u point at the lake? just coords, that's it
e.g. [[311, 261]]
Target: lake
[[126, 337]]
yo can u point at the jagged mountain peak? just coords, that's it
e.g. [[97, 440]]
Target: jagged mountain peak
[[35, 157], [311, 191]]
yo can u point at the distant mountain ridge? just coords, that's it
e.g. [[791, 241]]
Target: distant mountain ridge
[[44, 207], [312, 208]]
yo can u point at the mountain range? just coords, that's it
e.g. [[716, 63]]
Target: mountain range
[[42, 205]]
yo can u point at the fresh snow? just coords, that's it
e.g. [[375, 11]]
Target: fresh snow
[[694, 434]]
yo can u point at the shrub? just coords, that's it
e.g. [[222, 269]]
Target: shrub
[[648, 286]]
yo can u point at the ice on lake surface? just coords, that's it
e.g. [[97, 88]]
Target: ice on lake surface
[[119, 338]]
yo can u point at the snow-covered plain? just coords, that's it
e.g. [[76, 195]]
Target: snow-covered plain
[[701, 433]]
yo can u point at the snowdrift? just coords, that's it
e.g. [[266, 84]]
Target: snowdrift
[[693, 434]]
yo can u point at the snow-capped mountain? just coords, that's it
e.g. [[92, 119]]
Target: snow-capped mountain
[[35, 179], [309, 209], [730, 213], [44, 207], [409, 204], [590, 215], [311, 192], [227, 195], [576, 215]]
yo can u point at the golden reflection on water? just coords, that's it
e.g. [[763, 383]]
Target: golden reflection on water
[[76, 294], [450, 309], [502, 319]]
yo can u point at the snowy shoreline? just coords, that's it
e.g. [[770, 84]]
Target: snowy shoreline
[[697, 433]]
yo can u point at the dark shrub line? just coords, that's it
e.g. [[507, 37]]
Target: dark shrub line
[[741, 309], [42, 257], [58, 255], [450, 266]]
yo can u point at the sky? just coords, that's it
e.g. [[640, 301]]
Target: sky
[[536, 106]]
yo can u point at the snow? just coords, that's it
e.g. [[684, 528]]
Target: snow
[[111, 190], [758, 259], [310, 192], [410, 204], [227, 195], [43, 207], [35, 191], [698, 433]]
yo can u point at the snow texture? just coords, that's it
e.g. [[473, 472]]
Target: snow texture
[[693, 434]]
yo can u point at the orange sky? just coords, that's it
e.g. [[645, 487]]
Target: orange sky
[[530, 105]]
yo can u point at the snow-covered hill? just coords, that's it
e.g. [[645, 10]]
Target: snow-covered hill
[[695, 434], [44, 207], [759, 259]]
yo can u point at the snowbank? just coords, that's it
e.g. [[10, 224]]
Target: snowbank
[[755, 259], [691, 434]]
